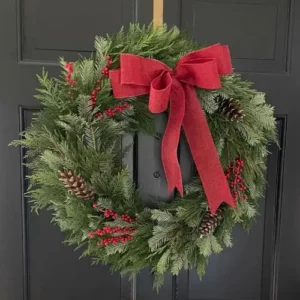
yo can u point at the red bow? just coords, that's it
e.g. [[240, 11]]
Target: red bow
[[138, 76]]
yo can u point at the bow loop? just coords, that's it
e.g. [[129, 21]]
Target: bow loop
[[147, 69], [199, 72], [160, 89], [219, 52]]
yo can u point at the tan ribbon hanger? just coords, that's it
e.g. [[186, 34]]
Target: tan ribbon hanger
[[158, 12]]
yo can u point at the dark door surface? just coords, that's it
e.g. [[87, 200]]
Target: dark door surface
[[264, 37]]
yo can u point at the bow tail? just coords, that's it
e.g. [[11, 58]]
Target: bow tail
[[204, 152], [171, 138]]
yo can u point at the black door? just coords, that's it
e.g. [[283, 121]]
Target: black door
[[264, 39]]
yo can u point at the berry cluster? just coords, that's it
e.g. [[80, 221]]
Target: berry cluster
[[109, 213], [234, 175], [127, 218], [111, 112], [115, 240], [125, 233], [105, 71], [94, 93], [110, 230], [70, 69]]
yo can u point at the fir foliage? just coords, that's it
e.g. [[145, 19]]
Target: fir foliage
[[65, 135]]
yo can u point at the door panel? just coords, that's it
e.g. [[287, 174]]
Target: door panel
[[34, 264], [249, 270], [255, 30], [263, 42], [50, 29], [51, 269]]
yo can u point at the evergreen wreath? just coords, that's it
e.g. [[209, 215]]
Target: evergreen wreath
[[73, 151]]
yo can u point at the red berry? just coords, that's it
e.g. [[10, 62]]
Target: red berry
[[69, 66], [95, 205], [98, 81], [107, 57], [107, 213], [91, 235], [126, 105], [98, 89], [99, 232]]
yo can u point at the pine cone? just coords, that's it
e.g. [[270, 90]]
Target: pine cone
[[76, 185], [210, 222], [230, 108]]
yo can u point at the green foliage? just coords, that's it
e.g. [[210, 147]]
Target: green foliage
[[65, 135]]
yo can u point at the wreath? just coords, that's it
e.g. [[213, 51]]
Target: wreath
[[73, 150]]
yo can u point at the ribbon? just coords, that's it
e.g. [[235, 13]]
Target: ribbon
[[175, 89]]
